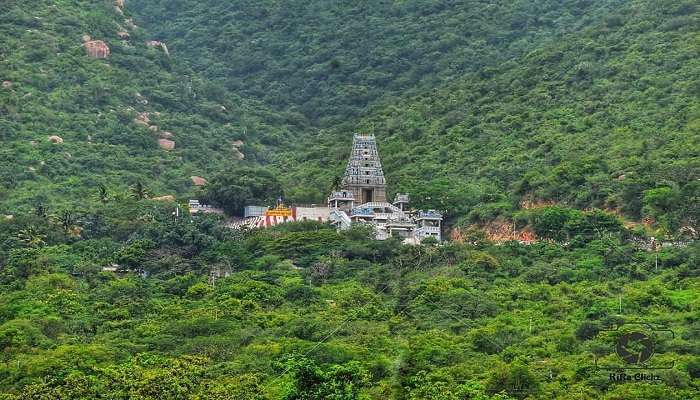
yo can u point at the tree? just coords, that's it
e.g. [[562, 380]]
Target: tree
[[31, 237], [139, 191], [515, 379], [339, 382], [237, 188], [102, 194], [335, 184]]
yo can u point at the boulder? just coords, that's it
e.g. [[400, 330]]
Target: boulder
[[143, 119], [237, 143], [7, 85], [166, 135], [238, 154], [96, 49], [119, 3], [161, 45], [153, 128], [169, 197], [166, 144], [143, 116], [123, 34], [55, 139], [198, 180], [140, 122]]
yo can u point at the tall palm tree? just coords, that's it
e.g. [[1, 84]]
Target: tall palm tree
[[41, 211], [138, 191], [102, 194], [67, 220], [31, 237]]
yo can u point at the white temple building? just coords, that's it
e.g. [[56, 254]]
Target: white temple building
[[361, 199]]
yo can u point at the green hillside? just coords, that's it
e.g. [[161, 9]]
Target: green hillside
[[608, 117], [311, 313], [327, 60], [53, 88], [586, 104], [574, 121]]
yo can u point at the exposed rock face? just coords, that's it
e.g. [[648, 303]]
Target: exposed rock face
[[143, 119], [97, 49], [55, 139], [236, 152], [123, 34], [198, 180], [153, 128], [169, 197], [157, 43], [7, 84], [166, 135], [528, 203], [119, 3], [166, 144], [143, 116]]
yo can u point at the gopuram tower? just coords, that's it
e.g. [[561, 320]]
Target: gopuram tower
[[364, 177]]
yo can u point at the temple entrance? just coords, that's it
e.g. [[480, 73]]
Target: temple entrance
[[367, 195]]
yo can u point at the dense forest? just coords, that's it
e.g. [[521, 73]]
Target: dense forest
[[575, 121], [583, 103], [108, 114], [307, 312]]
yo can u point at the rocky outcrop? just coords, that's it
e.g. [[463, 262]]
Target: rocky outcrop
[[166, 144], [143, 119], [55, 139], [95, 48], [153, 128], [6, 84], [123, 34], [119, 3], [528, 203], [166, 135], [161, 45], [198, 180], [236, 144], [169, 197], [144, 116]]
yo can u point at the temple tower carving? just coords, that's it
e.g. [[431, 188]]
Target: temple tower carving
[[364, 176]]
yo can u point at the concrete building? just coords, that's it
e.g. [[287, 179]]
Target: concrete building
[[361, 199]]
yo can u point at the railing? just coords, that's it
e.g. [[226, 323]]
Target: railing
[[429, 214]]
